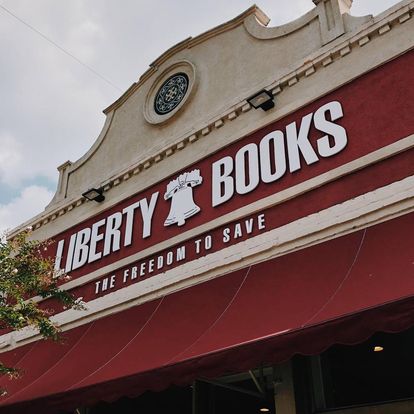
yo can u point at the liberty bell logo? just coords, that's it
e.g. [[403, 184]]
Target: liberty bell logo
[[180, 191]]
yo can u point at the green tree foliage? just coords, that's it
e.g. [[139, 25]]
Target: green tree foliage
[[26, 272]]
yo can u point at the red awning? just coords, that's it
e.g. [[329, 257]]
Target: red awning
[[340, 291]]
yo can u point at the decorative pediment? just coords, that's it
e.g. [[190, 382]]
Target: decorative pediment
[[193, 82]]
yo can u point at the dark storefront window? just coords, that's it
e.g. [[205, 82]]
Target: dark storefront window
[[376, 371], [173, 400], [239, 394]]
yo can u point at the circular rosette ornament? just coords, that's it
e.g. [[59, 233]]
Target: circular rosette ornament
[[171, 93]]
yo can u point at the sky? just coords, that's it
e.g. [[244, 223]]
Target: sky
[[51, 105]]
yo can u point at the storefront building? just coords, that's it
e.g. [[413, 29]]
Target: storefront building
[[247, 245]]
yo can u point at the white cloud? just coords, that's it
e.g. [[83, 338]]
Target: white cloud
[[51, 105], [31, 201], [11, 157]]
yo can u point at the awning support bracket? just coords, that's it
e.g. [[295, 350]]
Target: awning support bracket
[[233, 388], [256, 382]]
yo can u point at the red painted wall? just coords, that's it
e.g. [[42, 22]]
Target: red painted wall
[[378, 110]]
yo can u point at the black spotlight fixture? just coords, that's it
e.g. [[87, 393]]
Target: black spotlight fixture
[[262, 99], [94, 194]]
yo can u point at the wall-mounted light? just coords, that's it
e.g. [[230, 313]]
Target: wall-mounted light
[[378, 348], [94, 194], [264, 410], [262, 99]]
